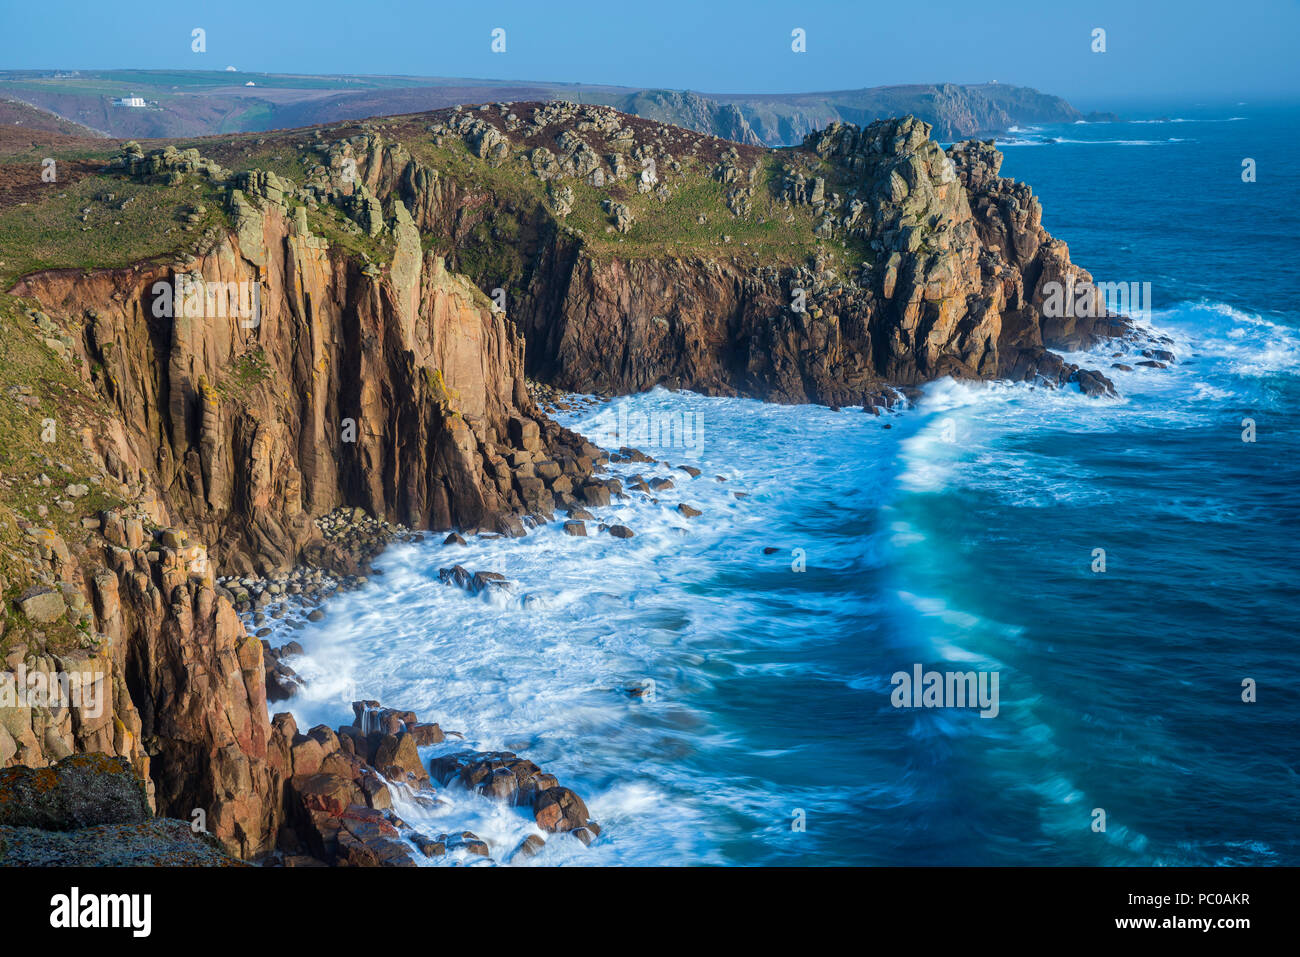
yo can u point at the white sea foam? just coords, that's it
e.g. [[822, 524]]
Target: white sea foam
[[541, 668], [695, 606]]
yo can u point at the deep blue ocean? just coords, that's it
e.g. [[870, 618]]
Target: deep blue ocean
[[962, 538]]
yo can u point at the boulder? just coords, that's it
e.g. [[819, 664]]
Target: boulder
[[398, 760], [428, 846], [426, 734], [329, 794], [42, 605], [595, 494], [559, 809]]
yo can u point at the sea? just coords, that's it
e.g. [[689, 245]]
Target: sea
[[729, 689]]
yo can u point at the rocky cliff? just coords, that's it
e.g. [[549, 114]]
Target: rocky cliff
[[394, 390], [874, 258], [345, 317], [953, 110], [226, 399]]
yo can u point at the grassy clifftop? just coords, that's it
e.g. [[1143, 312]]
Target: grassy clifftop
[[627, 187]]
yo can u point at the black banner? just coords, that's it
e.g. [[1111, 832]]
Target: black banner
[[330, 906]]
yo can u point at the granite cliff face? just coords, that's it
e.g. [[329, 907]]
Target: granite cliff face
[[395, 391], [954, 289], [180, 690], [951, 280], [360, 357], [398, 391]]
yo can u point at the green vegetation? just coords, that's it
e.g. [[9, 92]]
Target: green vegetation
[[332, 224], [249, 370], [78, 226], [771, 230]]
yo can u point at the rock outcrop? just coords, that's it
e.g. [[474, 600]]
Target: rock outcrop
[[951, 284], [328, 383], [176, 685], [251, 389]]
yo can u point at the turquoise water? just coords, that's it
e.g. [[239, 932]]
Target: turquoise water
[[961, 538]]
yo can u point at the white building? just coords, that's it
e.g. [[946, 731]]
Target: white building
[[132, 100]]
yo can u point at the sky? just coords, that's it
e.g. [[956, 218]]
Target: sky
[[1179, 50]]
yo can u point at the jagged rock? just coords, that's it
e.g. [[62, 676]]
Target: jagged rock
[[366, 839], [398, 759], [473, 582], [428, 846], [425, 734], [956, 247], [562, 199], [595, 494], [559, 809], [1093, 383], [620, 214]]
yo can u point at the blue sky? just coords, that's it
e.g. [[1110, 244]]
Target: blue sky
[[1156, 49]]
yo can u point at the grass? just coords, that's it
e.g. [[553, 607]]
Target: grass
[[330, 223], [258, 115], [50, 234], [660, 229], [248, 371]]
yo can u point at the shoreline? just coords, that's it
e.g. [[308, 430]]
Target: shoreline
[[348, 525], [386, 739]]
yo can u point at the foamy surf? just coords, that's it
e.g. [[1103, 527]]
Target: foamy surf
[[769, 625]]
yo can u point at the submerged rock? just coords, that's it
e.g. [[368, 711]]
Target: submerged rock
[[530, 846]]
